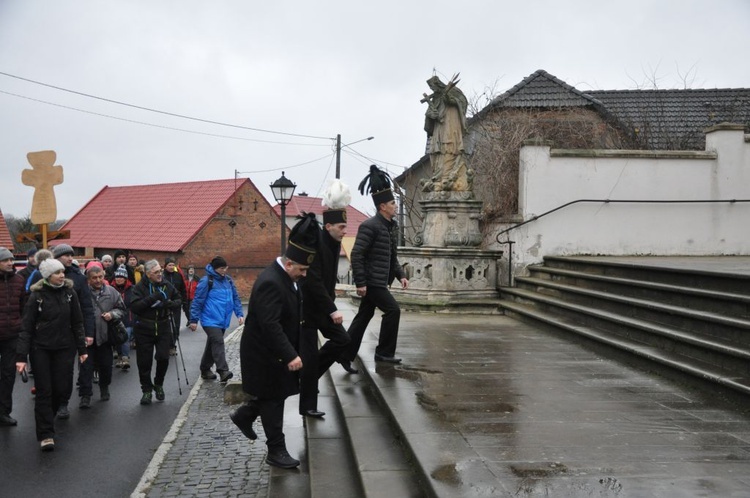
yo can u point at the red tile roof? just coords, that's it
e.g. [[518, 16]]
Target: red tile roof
[[5, 239], [300, 203], [162, 217]]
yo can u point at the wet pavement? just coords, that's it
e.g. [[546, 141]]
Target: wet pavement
[[490, 406], [493, 407]]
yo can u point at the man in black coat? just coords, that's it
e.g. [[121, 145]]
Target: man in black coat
[[154, 301], [269, 349], [321, 313], [12, 301], [374, 266]]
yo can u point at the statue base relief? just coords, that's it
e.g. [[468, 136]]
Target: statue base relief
[[448, 272]]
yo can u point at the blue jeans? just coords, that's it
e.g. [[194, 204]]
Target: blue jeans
[[124, 349]]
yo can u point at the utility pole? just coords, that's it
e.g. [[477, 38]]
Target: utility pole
[[338, 155]]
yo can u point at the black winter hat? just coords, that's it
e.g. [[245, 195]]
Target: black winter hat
[[303, 240], [119, 253]]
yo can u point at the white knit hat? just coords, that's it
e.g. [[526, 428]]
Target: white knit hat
[[50, 266]]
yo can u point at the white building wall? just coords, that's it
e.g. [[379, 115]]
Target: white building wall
[[550, 178]]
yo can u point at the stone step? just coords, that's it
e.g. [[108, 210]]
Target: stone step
[[729, 303], [693, 367], [720, 326], [730, 356], [378, 452]]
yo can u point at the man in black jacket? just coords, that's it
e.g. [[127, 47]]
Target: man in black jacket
[[12, 300], [64, 253], [321, 313], [374, 266], [154, 301], [269, 348]]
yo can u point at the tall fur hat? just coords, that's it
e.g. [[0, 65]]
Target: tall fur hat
[[336, 198], [378, 183], [303, 240]]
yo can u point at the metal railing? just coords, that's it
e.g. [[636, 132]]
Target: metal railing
[[600, 201]]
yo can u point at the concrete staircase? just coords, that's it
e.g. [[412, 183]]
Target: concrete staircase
[[674, 320], [355, 451]]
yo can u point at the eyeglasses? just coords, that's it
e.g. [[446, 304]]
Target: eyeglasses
[[156, 272]]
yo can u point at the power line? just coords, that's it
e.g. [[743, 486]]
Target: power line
[[156, 125], [287, 167], [219, 123]]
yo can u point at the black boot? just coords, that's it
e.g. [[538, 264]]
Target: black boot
[[280, 457], [243, 417]]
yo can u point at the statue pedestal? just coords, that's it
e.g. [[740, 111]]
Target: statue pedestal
[[449, 273]]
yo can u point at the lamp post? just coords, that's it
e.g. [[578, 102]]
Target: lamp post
[[283, 190]]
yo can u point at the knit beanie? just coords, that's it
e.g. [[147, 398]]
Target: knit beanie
[[168, 259], [92, 264], [106, 257], [218, 262], [121, 271], [62, 250], [5, 254], [50, 266]]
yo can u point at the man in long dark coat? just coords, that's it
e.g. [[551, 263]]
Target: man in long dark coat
[[269, 349]]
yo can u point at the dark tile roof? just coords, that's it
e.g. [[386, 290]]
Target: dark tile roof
[[662, 119], [675, 119], [161, 217], [541, 89]]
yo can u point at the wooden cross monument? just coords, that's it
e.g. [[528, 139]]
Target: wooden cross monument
[[43, 176]]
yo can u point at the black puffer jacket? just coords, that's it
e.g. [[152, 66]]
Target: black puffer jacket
[[374, 260], [12, 298], [52, 319]]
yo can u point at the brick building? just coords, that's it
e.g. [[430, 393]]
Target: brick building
[[190, 221]]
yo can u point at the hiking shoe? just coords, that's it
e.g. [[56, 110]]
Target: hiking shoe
[[172, 351], [243, 417], [159, 390], [146, 398], [118, 364], [125, 362], [47, 444], [85, 403], [104, 393], [207, 375], [63, 413], [7, 421], [225, 376]]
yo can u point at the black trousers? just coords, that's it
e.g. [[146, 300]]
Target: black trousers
[[101, 358], [7, 374], [153, 344], [53, 379], [317, 362], [381, 298]]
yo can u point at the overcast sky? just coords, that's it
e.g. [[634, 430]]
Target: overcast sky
[[308, 70]]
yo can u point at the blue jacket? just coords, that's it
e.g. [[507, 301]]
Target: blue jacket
[[214, 308]]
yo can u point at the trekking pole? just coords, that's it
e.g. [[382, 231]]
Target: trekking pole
[[179, 348], [176, 367]]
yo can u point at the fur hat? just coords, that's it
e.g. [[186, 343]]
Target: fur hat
[[62, 250], [50, 266], [378, 184], [5, 254], [303, 240], [336, 197], [121, 271], [218, 262]]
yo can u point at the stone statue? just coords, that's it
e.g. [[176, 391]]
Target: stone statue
[[445, 124], [43, 177]]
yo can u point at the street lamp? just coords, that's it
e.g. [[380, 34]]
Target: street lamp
[[283, 190]]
